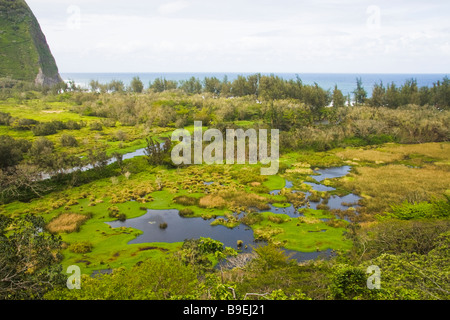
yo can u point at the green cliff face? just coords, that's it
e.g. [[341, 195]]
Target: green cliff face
[[24, 52]]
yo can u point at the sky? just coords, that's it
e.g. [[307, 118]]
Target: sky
[[292, 36]]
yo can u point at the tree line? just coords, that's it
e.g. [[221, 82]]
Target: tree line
[[272, 87]]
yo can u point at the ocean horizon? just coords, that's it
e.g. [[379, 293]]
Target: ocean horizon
[[346, 82]]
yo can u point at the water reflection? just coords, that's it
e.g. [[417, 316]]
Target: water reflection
[[179, 229]]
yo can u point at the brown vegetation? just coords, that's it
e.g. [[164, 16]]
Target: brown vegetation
[[66, 223]]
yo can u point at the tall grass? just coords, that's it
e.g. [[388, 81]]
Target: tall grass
[[391, 184], [67, 223]]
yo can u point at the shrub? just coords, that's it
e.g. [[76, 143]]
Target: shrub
[[185, 212], [68, 140], [96, 126], [349, 283], [23, 124], [252, 218], [81, 247], [186, 200], [276, 219], [44, 129], [322, 206], [121, 217], [163, 225], [421, 210]]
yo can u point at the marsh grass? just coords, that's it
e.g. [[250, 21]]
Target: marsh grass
[[370, 155], [393, 184], [67, 222], [186, 200]]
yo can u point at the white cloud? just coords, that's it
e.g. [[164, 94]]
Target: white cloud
[[172, 7], [247, 35]]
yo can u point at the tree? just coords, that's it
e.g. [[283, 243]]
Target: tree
[[95, 85], [191, 86], [21, 182], [12, 151], [338, 98], [156, 153], [212, 85], [378, 95], [392, 96], [29, 258], [116, 86], [360, 93], [160, 85], [136, 85]]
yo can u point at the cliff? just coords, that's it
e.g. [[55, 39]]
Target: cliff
[[24, 52]]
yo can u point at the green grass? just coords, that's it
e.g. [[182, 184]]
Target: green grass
[[275, 182], [304, 237]]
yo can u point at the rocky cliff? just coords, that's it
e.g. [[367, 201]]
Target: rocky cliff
[[24, 52]]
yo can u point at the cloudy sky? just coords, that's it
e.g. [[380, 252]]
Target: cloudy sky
[[296, 36]]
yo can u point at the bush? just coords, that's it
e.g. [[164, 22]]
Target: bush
[[81, 247], [349, 283], [44, 129], [12, 151], [185, 212], [163, 225], [96, 126], [421, 210], [68, 140], [252, 218], [186, 200], [23, 124]]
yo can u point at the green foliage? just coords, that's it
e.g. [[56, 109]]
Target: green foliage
[[29, 258], [81, 247], [360, 93], [24, 49], [269, 258], [68, 140], [400, 236], [157, 153], [44, 129], [416, 276], [338, 98], [136, 85], [12, 151], [152, 279], [424, 210], [348, 283], [186, 212], [202, 253], [160, 85]]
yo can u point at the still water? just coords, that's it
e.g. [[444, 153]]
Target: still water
[[179, 228]]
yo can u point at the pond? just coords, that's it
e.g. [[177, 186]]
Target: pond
[[179, 228]]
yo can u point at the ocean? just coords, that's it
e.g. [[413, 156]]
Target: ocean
[[346, 82]]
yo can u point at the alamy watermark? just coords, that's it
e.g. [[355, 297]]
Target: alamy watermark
[[374, 280], [373, 21], [74, 20], [74, 281], [213, 153]]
